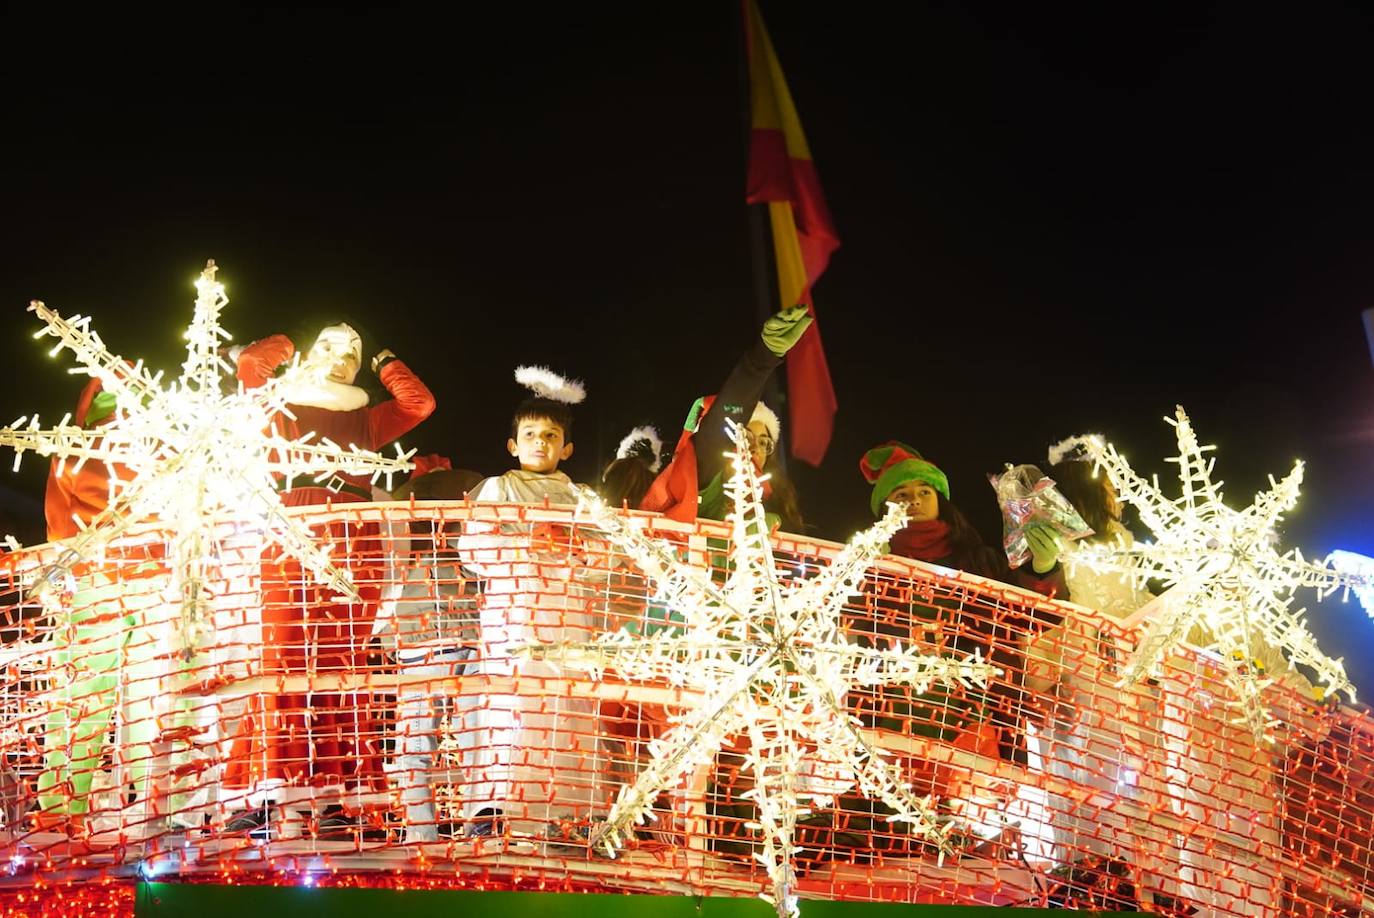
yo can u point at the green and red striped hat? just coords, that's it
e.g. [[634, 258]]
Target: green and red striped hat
[[892, 465]]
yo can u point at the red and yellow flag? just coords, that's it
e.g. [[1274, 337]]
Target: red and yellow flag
[[782, 175]]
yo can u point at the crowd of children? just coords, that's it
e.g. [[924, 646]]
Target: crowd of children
[[466, 595]]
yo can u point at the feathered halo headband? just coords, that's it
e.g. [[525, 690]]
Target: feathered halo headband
[[631, 445], [1073, 449], [545, 383]]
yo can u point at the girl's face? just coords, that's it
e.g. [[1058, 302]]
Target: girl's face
[[761, 443], [1113, 503], [921, 499]]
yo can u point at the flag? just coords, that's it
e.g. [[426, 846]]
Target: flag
[[782, 175]]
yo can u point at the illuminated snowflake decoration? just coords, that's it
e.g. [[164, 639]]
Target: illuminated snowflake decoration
[[771, 663], [1223, 572], [194, 456]]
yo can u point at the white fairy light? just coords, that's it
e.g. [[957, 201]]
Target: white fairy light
[[772, 663], [1223, 572], [194, 456], [1361, 566]]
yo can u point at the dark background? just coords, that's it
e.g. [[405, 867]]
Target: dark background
[[1053, 220]]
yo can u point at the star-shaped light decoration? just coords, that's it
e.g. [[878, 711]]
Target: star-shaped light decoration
[[194, 457], [771, 663], [1223, 571]]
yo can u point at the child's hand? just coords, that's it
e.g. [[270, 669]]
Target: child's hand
[[1045, 546], [785, 329]]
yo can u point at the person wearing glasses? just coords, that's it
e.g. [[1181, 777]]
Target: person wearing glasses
[[693, 484]]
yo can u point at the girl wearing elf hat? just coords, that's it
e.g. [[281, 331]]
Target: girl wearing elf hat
[[939, 533], [692, 485]]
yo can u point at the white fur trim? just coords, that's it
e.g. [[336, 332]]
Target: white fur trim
[[644, 434], [328, 394], [1072, 448], [545, 383], [769, 419]]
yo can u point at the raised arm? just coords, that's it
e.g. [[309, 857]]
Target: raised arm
[[744, 387], [259, 361], [410, 403]]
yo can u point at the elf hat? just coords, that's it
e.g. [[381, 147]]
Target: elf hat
[[892, 465]]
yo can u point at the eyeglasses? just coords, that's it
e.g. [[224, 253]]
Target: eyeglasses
[[764, 444]]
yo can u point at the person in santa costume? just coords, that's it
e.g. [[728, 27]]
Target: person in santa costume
[[693, 484], [298, 742], [530, 763]]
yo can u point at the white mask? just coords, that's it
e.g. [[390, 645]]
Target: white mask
[[340, 342]]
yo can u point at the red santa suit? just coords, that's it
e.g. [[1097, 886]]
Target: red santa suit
[[322, 739]]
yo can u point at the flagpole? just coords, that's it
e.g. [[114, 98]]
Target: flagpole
[[760, 242]]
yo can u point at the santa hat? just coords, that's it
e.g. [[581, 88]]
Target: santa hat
[[1073, 449], [643, 442], [892, 465], [765, 416], [547, 384]]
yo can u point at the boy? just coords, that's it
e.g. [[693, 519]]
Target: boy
[[429, 611], [528, 758]]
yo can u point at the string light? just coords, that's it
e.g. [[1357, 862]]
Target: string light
[[195, 456], [1223, 572], [1350, 562], [772, 664]]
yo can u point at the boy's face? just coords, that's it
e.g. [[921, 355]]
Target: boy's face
[[539, 446]]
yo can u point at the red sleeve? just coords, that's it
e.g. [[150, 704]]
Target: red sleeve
[[410, 403], [84, 494], [259, 360]]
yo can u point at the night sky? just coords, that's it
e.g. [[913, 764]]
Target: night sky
[[1053, 221]]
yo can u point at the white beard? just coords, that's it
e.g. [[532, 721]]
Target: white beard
[[330, 395]]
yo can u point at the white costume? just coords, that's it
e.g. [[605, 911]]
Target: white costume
[[430, 611], [529, 757], [1222, 781], [1084, 740]]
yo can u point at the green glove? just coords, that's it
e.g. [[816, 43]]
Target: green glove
[[1045, 545], [785, 329]]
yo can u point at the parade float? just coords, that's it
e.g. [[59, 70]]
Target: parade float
[[552, 704]]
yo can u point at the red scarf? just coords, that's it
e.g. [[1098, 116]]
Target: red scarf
[[924, 541]]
